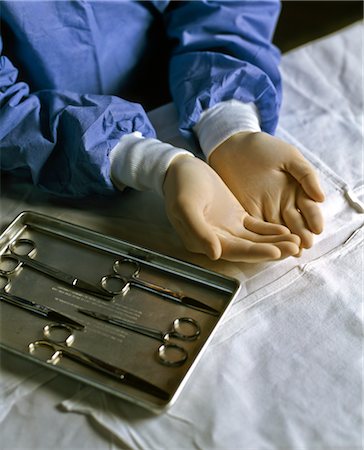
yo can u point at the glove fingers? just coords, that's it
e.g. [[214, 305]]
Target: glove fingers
[[288, 243], [197, 235], [297, 225], [200, 237], [306, 176], [272, 211], [237, 249], [311, 212], [261, 227], [288, 248]]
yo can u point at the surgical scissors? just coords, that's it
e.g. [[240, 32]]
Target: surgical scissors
[[20, 255], [21, 251], [132, 279], [33, 307], [169, 354], [62, 346]]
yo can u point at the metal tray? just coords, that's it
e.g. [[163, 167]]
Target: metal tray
[[90, 255]]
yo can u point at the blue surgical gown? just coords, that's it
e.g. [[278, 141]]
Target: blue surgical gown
[[66, 68]]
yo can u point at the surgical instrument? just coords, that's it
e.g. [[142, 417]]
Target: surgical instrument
[[132, 279], [63, 347], [169, 354], [28, 246]]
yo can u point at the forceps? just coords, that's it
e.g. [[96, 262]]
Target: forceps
[[36, 308], [133, 280], [59, 339], [168, 354], [20, 254]]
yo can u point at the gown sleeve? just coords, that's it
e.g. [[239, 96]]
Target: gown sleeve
[[62, 139], [223, 51]]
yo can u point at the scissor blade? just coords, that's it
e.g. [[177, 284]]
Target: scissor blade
[[145, 386], [94, 314], [174, 296], [23, 303], [93, 290], [65, 277], [195, 304], [61, 318], [40, 310], [146, 331]]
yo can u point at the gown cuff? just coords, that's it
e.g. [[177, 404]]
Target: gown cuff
[[141, 163], [222, 121]]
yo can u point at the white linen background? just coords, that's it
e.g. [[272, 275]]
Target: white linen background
[[285, 368]]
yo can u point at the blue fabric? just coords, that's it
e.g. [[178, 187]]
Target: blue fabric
[[224, 51], [64, 65]]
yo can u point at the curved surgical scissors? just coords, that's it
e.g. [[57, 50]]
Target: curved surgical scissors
[[168, 353], [20, 254], [62, 346], [132, 279]]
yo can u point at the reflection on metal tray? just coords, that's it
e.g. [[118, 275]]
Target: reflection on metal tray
[[111, 314]]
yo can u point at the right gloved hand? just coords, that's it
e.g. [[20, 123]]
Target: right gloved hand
[[273, 181], [211, 221]]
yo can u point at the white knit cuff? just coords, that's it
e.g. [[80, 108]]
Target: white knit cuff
[[141, 163], [224, 120]]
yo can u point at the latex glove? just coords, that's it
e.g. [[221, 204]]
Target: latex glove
[[210, 220], [273, 181]]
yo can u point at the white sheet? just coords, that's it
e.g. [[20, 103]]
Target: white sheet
[[285, 369]]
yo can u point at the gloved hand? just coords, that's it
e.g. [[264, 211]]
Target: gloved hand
[[273, 182], [210, 220]]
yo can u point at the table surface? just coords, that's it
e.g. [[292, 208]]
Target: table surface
[[284, 370]]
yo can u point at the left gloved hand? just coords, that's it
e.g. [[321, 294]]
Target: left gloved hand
[[211, 221], [272, 181]]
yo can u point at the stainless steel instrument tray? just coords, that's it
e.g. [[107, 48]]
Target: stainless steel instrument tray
[[90, 255]]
